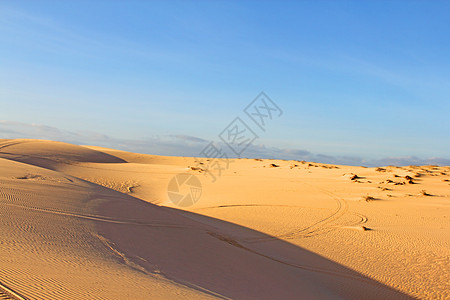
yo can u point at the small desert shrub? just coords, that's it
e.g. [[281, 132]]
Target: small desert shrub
[[368, 198], [424, 193]]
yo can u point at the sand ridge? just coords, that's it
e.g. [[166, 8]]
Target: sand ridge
[[266, 229]]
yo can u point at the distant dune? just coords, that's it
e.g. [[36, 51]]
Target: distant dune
[[85, 222]]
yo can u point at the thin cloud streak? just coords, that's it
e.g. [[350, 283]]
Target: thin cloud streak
[[185, 145]]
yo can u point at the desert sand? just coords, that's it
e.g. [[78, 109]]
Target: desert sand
[[85, 222]]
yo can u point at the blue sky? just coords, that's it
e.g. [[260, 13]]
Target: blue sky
[[359, 81]]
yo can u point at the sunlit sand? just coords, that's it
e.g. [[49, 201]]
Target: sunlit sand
[[85, 222]]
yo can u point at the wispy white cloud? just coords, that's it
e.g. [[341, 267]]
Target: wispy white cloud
[[184, 145], [44, 33]]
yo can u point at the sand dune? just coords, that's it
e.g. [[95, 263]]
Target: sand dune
[[84, 222]]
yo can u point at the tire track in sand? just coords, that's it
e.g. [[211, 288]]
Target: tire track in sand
[[322, 226], [95, 217]]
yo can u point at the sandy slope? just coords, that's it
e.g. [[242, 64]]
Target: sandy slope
[[89, 222]]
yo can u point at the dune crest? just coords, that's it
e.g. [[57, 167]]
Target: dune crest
[[91, 222]]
